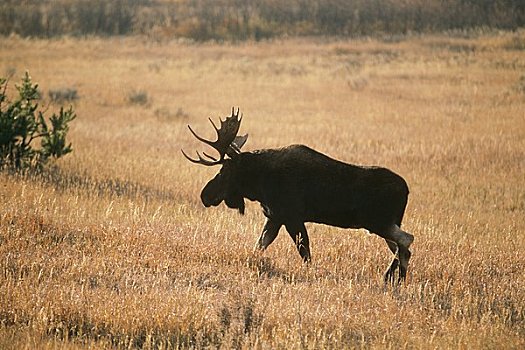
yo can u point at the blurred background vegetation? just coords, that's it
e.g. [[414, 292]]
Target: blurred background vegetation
[[253, 19]]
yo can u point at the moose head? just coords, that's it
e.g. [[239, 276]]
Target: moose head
[[223, 186]]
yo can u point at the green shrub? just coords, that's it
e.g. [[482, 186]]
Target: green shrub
[[22, 123]]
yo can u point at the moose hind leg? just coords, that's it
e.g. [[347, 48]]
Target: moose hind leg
[[390, 272], [270, 231], [404, 257], [300, 237], [403, 240]]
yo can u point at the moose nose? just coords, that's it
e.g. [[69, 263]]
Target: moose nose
[[205, 201], [209, 201]]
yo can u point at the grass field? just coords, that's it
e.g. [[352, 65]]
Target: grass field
[[112, 247]]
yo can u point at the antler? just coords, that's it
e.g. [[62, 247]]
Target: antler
[[227, 143]]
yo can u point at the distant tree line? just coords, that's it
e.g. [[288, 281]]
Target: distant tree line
[[253, 19]]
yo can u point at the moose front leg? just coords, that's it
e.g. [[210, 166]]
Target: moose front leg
[[270, 231], [300, 237]]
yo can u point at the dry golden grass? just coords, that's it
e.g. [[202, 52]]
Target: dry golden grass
[[113, 248]]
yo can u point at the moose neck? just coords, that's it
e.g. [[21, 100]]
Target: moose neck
[[251, 172]]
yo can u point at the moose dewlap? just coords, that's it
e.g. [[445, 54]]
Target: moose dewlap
[[297, 184]]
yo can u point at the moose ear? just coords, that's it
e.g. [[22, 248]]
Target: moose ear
[[239, 141], [235, 146]]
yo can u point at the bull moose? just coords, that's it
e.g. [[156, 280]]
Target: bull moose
[[297, 184]]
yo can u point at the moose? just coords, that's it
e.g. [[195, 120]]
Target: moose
[[297, 184]]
